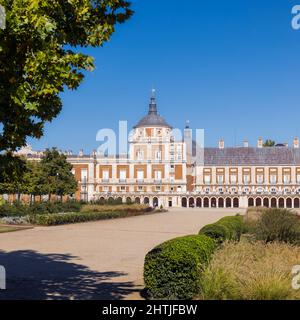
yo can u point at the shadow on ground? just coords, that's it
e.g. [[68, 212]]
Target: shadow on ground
[[32, 275]]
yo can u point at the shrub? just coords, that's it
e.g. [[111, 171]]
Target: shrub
[[122, 207], [278, 225], [251, 271], [216, 231], [227, 228], [7, 210], [172, 269], [68, 218], [19, 209]]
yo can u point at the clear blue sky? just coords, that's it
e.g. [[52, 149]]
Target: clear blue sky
[[231, 67]]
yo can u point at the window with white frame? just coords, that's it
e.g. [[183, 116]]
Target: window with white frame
[[140, 174], [246, 178], [286, 178], [122, 174], [220, 179], [260, 178], [158, 155], [207, 179], [84, 174], [105, 174], [157, 175], [273, 178], [140, 155], [233, 178]]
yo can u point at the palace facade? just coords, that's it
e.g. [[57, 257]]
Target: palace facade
[[162, 171]]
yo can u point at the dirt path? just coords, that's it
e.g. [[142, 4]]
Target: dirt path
[[98, 260]]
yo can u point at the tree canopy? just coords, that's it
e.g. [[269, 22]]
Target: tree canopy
[[52, 175], [56, 175], [40, 57]]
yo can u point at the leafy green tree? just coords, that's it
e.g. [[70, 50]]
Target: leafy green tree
[[40, 57], [57, 177], [34, 180], [269, 143], [12, 171]]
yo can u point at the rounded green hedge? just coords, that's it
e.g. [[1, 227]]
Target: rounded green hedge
[[217, 232], [227, 228], [172, 269]]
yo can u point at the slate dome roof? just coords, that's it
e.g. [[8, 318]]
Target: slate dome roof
[[152, 119]]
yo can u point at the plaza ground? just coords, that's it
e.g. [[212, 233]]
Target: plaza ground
[[97, 260]]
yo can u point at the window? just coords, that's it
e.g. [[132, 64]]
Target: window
[[158, 188], [273, 190], [273, 178], [140, 188], [106, 175], [140, 175], [246, 178], [286, 178], [207, 179], [157, 175], [122, 174], [123, 189], [84, 174], [298, 178], [220, 179], [260, 178], [233, 178], [140, 155], [179, 189], [158, 155]]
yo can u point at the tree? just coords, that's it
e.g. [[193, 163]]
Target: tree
[[12, 171], [33, 181], [40, 57], [57, 177], [269, 143]]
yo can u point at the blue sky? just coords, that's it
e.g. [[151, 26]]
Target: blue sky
[[231, 67]]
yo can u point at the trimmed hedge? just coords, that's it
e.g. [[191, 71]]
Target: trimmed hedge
[[18, 209], [227, 228], [172, 269], [68, 218]]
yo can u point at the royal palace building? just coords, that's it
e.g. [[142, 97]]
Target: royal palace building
[[160, 170]]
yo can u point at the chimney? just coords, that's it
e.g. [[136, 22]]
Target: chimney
[[221, 144], [260, 143], [246, 144], [296, 143], [81, 153]]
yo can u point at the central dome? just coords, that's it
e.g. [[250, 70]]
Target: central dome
[[152, 119]]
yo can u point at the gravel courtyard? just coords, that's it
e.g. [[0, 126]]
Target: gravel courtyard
[[97, 260]]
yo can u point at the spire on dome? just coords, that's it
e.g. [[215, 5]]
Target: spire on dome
[[152, 105], [153, 119]]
